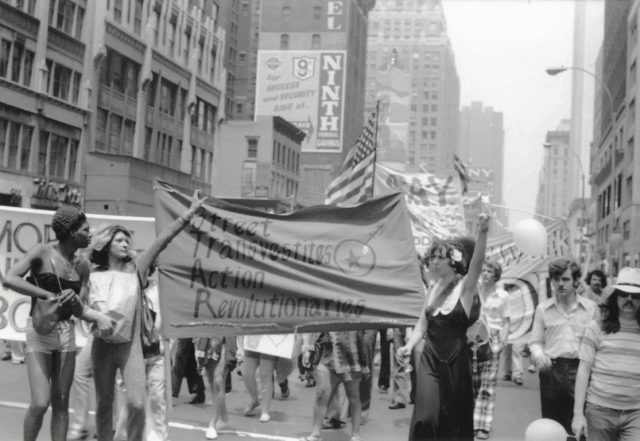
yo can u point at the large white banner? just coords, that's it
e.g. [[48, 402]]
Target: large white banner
[[434, 203], [21, 229], [307, 89]]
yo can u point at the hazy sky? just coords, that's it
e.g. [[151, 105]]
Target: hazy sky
[[502, 49]]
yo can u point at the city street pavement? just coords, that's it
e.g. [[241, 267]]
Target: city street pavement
[[516, 407]]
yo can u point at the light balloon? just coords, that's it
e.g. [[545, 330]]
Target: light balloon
[[545, 429], [615, 241], [530, 237]]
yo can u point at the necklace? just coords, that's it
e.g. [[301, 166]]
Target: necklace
[[68, 272]]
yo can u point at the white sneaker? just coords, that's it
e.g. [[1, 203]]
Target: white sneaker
[[211, 433]]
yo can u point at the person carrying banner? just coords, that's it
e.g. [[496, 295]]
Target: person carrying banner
[[117, 275], [342, 360], [608, 380], [56, 273], [558, 327], [444, 398], [496, 313]]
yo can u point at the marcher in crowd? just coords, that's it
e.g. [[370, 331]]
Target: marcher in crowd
[[55, 273], [343, 361], [117, 272], [251, 360], [497, 314], [608, 379], [596, 282], [401, 378], [558, 328], [444, 397], [213, 355], [157, 424], [185, 366]]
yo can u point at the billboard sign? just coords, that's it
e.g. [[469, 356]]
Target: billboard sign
[[307, 89]]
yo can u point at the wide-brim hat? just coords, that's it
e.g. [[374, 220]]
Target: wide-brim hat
[[628, 280]]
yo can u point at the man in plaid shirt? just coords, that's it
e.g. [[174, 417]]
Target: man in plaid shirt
[[496, 317]]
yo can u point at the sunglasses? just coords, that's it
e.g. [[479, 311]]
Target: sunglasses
[[624, 295]]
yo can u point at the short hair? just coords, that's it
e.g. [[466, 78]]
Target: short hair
[[557, 267], [495, 267], [67, 220], [102, 242], [600, 274]]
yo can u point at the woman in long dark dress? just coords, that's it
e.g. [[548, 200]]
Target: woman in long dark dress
[[444, 395]]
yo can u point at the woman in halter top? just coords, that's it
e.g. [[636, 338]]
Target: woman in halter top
[[444, 394], [55, 273]]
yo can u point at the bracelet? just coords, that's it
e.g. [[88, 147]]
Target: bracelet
[[186, 218]]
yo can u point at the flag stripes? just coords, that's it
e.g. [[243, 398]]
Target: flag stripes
[[354, 183]]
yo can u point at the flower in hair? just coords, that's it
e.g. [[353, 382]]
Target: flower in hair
[[456, 255]]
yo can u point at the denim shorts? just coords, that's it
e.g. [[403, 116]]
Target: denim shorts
[[61, 339]]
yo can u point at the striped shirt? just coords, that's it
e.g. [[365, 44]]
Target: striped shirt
[[615, 377], [560, 332]]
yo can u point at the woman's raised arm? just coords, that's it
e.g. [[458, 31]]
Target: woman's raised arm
[[475, 266], [146, 258]]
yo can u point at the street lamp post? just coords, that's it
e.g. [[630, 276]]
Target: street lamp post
[[557, 70]]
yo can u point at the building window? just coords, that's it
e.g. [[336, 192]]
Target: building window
[[148, 132], [286, 14], [284, 41], [252, 148], [117, 11], [101, 129], [57, 156], [61, 82], [77, 79], [317, 13], [315, 41], [168, 93], [212, 66], [137, 17], [66, 10], [171, 36], [115, 122], [187, 42], [626, 230], [79, 22], [5, 49], [129, 130]]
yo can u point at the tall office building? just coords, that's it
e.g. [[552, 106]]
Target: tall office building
[[554, 192], [481, 147], [158, 92], [44, 102], [311, 72], [412, 36]]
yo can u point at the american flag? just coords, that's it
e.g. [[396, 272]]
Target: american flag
[[354, 184]]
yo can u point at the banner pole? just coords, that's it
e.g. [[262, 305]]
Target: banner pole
[[375, 150]]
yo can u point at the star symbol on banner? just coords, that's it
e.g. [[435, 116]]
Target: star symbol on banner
[[353, 260]]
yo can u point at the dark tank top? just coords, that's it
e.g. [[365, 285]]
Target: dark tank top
[[49, 282]]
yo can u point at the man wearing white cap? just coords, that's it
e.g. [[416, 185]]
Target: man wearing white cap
[[608, 377], [558, 327]]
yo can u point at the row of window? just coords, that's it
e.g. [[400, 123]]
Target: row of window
[[26, 6], [284, 156], [114, 134], [286, 12], [15, 145], [120, 73], [16, 62], [67, 17], [62, 82], [57, 156], [425, 108], [315, 41], [282, 186]]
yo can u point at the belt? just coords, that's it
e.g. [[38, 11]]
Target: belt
[[566, 361]]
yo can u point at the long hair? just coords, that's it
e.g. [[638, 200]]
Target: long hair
[[99, 254], [611, 321]]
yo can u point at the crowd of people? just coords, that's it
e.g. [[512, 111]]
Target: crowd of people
[[584, 343]]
